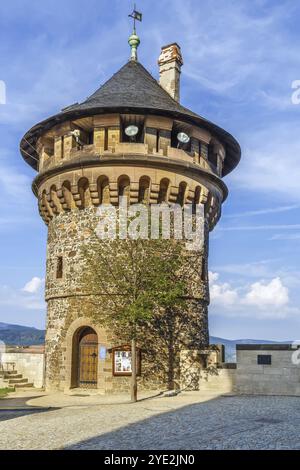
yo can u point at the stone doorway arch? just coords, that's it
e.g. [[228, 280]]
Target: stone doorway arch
[[85, 358]]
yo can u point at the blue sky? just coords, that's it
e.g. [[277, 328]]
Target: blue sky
[[241, 58]]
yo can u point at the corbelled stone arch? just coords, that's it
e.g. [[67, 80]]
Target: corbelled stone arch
[[164, 190], [124, 187], [68, 200], [197, 197], [54, 201], [144, 190], [46, 206], [84, 192], [43, 208], [182, 193], [103, 189]]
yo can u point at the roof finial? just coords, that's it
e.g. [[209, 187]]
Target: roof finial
[[134, 40]]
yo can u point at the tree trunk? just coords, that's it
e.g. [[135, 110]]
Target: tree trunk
[[134, 372], [171, 352], [171, 360]]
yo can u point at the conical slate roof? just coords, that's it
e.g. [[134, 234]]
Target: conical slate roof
[[132, 89]]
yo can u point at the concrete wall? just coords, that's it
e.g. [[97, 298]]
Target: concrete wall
[[30, 365], [220, 380], [282, 377]]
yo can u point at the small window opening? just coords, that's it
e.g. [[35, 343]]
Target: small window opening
[[59, 268], [62, 146], [203, 271], [204, 150], [264, 359], [90, 138], [106, 139], [157, 140], [213, 156]]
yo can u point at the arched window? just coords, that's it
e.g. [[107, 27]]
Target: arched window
[[103, 190], [163, 191], [144, 190]]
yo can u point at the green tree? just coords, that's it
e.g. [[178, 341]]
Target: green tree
[[133, 281]]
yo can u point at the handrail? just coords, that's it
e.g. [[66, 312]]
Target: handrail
[[7, 364]]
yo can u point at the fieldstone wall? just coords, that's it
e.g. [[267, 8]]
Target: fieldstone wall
[[71, 304]]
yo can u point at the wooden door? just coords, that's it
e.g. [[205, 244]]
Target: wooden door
[[88, 359]]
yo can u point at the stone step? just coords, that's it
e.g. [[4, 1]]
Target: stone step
[[11, 377], [18, 381], [27, 385]]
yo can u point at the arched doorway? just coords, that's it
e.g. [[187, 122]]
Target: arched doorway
[[87, 358]]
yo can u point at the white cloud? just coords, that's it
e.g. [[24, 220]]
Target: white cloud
[[286, 236], [272, 294], [213, 277], [234, 228], [269, 160], [33, 286], [222, 294], [270, 210], [20, 300], [256, 269], [260, 300]]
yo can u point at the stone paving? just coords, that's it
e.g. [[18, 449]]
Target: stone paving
[[188, 421]]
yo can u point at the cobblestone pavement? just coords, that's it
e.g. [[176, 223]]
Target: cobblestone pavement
[[189, 421]]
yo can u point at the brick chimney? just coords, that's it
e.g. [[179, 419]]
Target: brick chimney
[[170, 62]]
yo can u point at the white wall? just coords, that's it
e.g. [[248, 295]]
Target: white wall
[[282, 377], [30, 365], [218, 380]]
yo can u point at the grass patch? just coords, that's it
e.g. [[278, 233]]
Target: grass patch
[[4, 392]]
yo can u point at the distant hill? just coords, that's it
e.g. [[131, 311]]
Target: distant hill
[[17, 335]]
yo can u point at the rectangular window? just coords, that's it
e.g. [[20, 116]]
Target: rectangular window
[[63, 146], [59, 268], [264, 359], [106, 138], [90, 138], [203, 271], [204, 150]]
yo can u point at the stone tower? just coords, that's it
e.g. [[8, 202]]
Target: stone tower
[[85, 157]]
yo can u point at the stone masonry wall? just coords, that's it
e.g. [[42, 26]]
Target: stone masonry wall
[[70, 304], [281, 377]]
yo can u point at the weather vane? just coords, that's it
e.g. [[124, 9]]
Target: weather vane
[[137, 16], [134, 40]]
